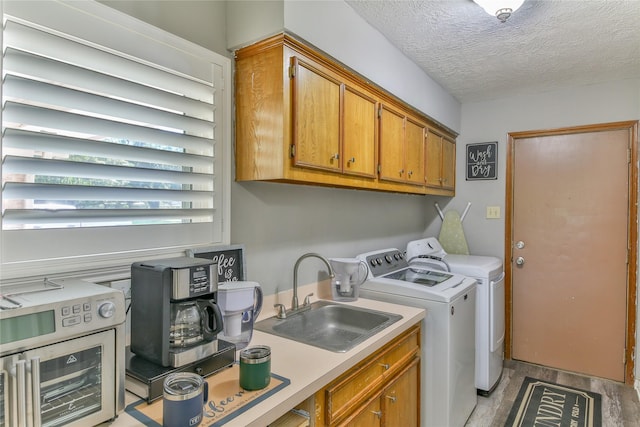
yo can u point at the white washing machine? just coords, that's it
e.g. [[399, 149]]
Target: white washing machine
[[448, 393], [490, 327]]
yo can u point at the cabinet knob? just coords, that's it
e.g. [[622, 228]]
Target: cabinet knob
[[392, 399], [335, 156], [377, 414], [352, 160], [385, 366], [410, 173]]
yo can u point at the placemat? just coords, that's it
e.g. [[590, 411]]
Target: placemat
[[226, 401]]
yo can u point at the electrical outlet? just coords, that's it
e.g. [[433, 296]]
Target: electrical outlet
[[493, 212]]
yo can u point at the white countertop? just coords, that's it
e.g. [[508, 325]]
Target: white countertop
[[309, 368]]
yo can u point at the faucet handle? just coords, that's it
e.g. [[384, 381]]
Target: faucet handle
[[282, 311], [307, 300]]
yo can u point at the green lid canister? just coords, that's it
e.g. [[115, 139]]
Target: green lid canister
[[255, 367]]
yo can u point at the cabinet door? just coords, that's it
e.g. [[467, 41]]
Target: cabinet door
[[414, 152], [400, 400], [448, 164], [369, 416], [359, 130], [391, 145], [434, 160], [315, 117]]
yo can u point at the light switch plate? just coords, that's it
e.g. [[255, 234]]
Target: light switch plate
[[493, 212]]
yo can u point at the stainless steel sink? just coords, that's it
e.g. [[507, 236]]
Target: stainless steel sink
[[329, 325]]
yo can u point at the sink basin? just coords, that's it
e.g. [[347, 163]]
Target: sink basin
[[329, 325]]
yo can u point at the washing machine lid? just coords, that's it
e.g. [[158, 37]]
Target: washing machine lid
[[485, 267], [415, 282]]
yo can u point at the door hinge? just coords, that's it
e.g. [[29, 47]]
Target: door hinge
[[629, 155], [292, 71], [292, 150]]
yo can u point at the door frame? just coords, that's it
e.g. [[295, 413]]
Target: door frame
[[632, 227]]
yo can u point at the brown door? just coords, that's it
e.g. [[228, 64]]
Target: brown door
[[570, 236]]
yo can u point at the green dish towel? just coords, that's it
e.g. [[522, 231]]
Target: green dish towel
[[452, 236]]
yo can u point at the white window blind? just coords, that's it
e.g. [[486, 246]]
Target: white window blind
[[105, 152]]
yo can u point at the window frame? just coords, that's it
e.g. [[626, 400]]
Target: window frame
[[89, 21]]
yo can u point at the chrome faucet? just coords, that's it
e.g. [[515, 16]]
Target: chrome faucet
[[306, 305], [294, 301]]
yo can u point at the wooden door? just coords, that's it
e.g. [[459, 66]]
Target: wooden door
[[448, 164], [433, 171], [391, 151], [570, 235], [400, 400], [414, 151], [316, 117], [359, 134], [369, 416]]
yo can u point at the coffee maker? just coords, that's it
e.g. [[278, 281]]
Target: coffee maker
[[174, 316], [174, 323]]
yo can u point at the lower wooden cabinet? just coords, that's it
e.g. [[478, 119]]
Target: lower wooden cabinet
[[383, 390]]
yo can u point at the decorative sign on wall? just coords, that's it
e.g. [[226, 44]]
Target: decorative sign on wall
[[230, 259], [482, 161]]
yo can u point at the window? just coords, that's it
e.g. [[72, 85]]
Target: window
[[115, 144]]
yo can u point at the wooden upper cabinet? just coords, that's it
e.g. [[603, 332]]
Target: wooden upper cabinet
[[448, 163], [440, 162], [316, 116], [391, 145], [302, 117], [402, 145], [359, 133], [415, 151]]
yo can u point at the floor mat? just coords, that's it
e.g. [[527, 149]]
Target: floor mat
[[542, 403]]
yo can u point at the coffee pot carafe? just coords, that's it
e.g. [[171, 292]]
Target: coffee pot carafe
[[240, 303], [191, 322], [349, 274]]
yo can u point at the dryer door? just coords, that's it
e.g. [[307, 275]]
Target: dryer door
[[496, 301]]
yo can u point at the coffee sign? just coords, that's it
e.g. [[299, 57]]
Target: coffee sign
[[230, 260], [482, 161]]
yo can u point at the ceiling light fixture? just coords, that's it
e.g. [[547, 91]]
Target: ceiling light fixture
[[501, 9]]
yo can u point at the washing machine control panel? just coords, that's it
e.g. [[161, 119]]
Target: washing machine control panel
[[387, 261]]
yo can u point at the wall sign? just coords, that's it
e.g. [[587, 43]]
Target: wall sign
[[230, 259], [482, 161]]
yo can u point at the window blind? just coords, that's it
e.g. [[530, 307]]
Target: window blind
[[115, 139], [95, 139]]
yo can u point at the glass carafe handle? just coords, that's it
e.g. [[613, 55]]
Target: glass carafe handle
[[211, 319]]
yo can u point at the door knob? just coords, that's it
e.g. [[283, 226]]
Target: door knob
[[520, 244], [520, 260]]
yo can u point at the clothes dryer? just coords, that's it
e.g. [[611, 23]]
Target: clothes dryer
[[490, 302]]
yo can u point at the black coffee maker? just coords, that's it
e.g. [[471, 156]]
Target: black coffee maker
[[174, 317]]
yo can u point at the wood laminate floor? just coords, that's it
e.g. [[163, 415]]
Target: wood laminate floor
[[620, 404]]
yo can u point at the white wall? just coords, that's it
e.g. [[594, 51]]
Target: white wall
[[493, 120]]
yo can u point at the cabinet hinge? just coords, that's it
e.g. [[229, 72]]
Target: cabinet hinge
[[379, 113], [292, 150], [379, 168], [292, 71]]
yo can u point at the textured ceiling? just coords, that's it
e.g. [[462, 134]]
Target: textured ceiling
[[544, 45]]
